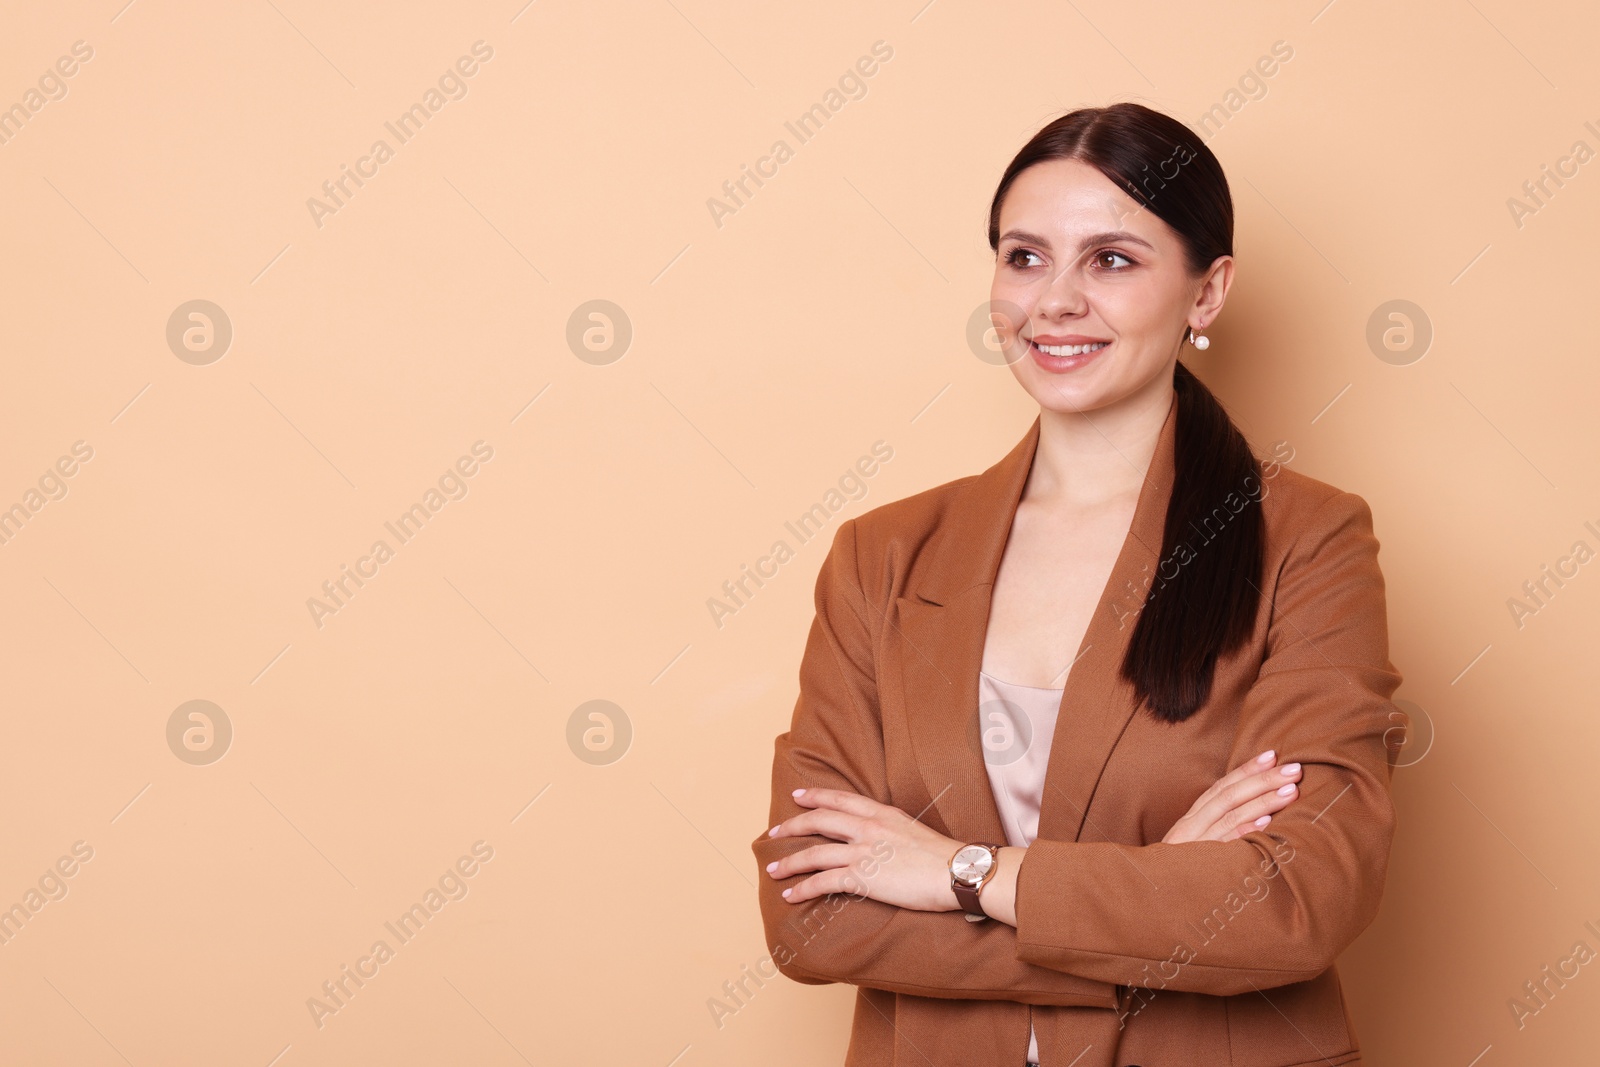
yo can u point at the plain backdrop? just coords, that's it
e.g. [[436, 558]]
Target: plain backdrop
[[355, 746]]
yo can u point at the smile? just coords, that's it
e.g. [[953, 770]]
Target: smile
[[1065, 359], [1069, 350]]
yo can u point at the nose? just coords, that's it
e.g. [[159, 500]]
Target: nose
[[1063, 293]]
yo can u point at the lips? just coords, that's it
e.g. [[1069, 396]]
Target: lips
[[1076, 355]]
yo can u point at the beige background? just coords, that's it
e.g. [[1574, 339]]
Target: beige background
[[768, 354]]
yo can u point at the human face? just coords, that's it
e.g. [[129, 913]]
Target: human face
[[1080, 261]]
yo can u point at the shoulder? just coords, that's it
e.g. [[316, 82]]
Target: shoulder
[[885, 544], [910, 518], [1287, 491], [1312, 523]]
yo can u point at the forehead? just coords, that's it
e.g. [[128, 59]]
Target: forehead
[[1061, 200]]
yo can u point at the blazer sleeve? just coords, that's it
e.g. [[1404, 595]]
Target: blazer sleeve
[[1277, 905], [835, 740]]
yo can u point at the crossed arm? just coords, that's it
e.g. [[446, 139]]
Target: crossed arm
[[1092, 916]]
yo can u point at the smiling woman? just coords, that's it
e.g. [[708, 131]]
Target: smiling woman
[[1081, 904], [1110, 271]]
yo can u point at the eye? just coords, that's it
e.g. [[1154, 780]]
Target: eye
[[1016, 253], [1109, 254]]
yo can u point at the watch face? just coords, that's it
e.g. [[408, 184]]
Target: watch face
[[972, 864]]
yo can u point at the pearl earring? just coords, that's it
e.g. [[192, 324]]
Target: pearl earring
[[1201, 342]]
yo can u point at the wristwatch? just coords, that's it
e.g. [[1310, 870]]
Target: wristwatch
[[970, 870]]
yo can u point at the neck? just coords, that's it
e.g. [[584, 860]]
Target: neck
[[1086, 458]]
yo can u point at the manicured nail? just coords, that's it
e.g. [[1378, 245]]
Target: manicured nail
[[773, 832], [772, 866], [1263, 821], [786, 892], [1289, 768], [1266, 757], [1286, 790], [798, 793]]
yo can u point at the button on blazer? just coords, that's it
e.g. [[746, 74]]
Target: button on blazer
[[1127, 950]]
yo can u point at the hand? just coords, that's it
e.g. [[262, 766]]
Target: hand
[[1229, 809], [878, 852]]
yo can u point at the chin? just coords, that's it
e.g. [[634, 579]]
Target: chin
[[1071, 401], [1065, 393]]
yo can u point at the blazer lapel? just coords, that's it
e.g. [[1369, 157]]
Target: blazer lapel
[[937, 636]]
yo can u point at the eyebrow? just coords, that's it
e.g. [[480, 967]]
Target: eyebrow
[[1108, 237]]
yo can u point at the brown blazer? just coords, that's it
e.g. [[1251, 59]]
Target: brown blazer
[[1126, 950]]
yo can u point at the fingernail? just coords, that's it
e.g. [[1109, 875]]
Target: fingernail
[[1266, 757], [1263, 821], [798, 792], [772, 866], [786, 892], [773, 832], [1289, 768], [1286, 790]]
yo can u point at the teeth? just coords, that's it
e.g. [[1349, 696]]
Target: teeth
[[1070, 350]]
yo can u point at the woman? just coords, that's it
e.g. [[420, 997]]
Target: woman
[[1091, 759]]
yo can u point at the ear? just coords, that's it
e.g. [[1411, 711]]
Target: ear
[[1213, 291]]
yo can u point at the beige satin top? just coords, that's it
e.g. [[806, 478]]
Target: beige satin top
[[1017, 724]]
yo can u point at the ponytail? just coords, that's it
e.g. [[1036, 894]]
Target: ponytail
[[1206, 592]]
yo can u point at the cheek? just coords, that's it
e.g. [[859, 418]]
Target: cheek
[[1144, 322], [1130, 310], [1009, 291], [1006, 312]]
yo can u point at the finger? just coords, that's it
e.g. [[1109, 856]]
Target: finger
[[1248, 768], [1231, 827], [1250, 816], [1248, 827], [1241, 792], [1233, 777], [1282, 781], [839, 800], [825, 821], [838, 880], [815, 858]]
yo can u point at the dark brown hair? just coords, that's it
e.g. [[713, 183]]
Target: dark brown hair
[[1208, 607]]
